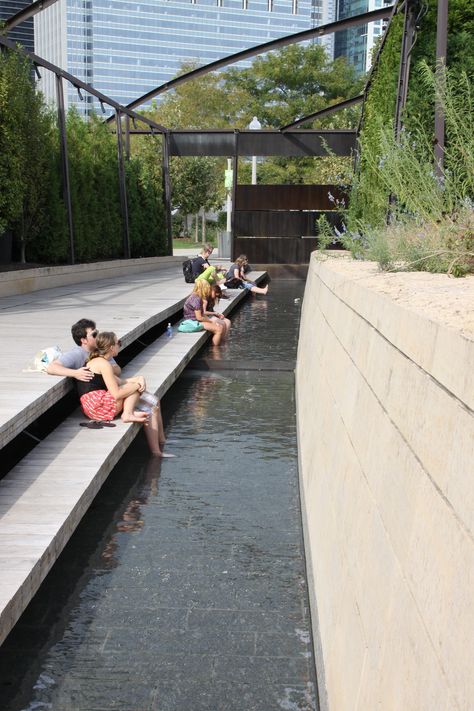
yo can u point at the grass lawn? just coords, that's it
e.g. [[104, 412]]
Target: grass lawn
[[188, 243]]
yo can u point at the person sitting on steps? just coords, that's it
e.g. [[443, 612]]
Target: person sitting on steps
[[236, 278], [193, 310], [73, 363], [106, 396]]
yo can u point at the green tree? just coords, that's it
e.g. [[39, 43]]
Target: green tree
[[15, 91], [290, 83]]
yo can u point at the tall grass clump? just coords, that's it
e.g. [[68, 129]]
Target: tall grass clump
[[430, 218]]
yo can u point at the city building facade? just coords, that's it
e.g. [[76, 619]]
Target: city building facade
[[356, 44], [125, 48], [23, 33]]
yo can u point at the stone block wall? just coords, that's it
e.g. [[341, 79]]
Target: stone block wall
[[385, 399]]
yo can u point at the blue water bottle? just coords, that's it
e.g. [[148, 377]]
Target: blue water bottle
[[169, 331]]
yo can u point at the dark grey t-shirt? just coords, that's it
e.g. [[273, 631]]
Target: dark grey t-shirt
[[76, 358]]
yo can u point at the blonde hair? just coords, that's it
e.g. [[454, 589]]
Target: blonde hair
[[103, 343], [202, 288]]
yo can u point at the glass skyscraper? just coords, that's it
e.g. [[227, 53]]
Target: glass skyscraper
[[125, 48], [22, 33], [356, 43]]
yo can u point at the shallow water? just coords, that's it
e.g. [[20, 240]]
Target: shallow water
[[184, 587]]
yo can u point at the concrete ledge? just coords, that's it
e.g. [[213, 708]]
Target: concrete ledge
[[29, 280], [44, 497], [386, 444]]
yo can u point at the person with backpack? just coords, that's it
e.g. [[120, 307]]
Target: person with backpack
[[193, 268]]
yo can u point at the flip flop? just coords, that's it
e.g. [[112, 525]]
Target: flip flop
[[91, 425], [106, 423]]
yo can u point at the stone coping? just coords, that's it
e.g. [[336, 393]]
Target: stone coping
[[25, 281], [440, 331], [44, 497]]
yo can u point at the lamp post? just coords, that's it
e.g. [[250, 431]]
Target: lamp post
[[254, 125]]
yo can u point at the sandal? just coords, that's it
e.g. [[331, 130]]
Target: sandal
[[91, 425]]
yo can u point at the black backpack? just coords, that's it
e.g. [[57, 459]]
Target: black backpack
[[188, 271]]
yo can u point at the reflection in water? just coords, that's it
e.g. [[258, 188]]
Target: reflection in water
[[184, 586]]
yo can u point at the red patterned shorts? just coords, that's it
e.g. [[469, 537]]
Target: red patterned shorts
[[99, 405]]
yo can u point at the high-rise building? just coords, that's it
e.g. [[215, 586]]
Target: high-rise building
[[125, 48], [356, 43], [23, 33]]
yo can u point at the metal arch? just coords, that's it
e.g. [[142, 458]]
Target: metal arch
[[103, 98], [324, 112], [26, 13], [320, 31]]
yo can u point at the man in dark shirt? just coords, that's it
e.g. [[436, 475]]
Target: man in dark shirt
[[201, 262]]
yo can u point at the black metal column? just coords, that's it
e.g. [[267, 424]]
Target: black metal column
[[235, 176], [441, 53], [65, 164], [404, 70], [127, 136], [122, 185], [167, 189]]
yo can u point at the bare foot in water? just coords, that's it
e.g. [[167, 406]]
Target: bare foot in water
[[163, 455], [265, 289], [137, 416]]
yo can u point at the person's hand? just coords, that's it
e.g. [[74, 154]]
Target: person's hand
[[220, 315], [84, 374]]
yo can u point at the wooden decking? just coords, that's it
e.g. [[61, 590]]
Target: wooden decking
[[45, 496]]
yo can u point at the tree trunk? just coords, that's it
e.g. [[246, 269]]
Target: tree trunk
[[196, 227], [203, 226]]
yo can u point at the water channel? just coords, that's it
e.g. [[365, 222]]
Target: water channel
[[184, 587]]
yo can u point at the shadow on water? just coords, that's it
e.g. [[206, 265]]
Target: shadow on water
[[184, 586]]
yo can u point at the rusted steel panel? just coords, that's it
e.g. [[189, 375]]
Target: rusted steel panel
[[289, 197], [262, 143], [280, 223], [275, 250]]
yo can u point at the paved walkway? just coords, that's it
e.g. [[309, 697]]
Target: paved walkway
[[45, 496]]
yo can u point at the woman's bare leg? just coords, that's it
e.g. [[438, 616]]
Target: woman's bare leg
[[224, 322], [129, 413], [216, 329]]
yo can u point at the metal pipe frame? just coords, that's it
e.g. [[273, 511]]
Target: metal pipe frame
[[404, 70], [167, 189], [324, 112], [320, 31], [441, 54], [123, 187], [26, 13], [65, 164], [235, 170], [103, 98]]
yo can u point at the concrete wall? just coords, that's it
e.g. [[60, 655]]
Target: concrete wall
[[385, 398], [27, 280]]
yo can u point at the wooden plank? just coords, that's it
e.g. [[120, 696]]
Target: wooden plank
[[44, 497]]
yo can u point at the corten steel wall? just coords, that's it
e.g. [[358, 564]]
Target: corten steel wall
[[385, 400], [277, 217]]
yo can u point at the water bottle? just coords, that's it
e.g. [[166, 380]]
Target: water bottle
[[169, 331]]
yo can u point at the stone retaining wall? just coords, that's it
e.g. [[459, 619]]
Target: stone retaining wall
[[385, 398]]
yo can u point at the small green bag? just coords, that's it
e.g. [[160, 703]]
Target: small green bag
[[190, 326]]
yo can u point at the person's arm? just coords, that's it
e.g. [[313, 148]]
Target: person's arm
[[119, 392], [200, 315], [116, 368], [237, 274], [209, 313], [135, 379], [56, 368]]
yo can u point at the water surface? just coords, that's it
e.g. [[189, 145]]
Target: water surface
[[184, 587]]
